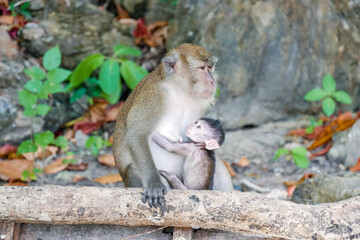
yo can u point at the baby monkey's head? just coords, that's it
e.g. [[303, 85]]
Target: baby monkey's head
[[208, 131]]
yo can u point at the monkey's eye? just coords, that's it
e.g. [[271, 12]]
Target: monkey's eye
[[198, 126], [210, 67], [196, 122], [203, 67]]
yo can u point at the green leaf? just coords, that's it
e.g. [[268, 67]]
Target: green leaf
[[123, 50], [89, 142], [43, 139], [78, 93], [26, 98], [109, 77], [85, 68], [309, 129], [43, 94], [58, 75], [61, 142], [33, 86], [26, 14], [37, 170], [52, 87], [52, 58], [33, 176], [94, 150], [29, 112], [113, 97], [42, 109], [299, 151], [35, 73], [329, 84], [342, 97], [27, 146], [24, 6], [281, 151], [132, 73], [25, 175], [319, 123], [299, 157], [90, 100], [98, 142], [328, 106], [315, 94]]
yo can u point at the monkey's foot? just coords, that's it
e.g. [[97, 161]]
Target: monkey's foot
[[154, 195]]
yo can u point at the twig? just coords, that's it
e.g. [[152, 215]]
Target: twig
[[140, 234]]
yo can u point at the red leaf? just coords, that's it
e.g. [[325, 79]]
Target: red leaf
[[87, 127], [297, 132], [321, 152], [290, 191], [77, 167], [141, 30], [7, 149]]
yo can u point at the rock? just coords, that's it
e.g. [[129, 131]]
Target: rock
[[159, 11], [136, 8], [80, 138], [113, 37], [272, 52], [325, 188], [345, 147], [76, 28]]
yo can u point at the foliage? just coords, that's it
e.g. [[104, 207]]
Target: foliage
[[69, 160], [42, 139], [313, 125], [172, 2], [108, 85], [95, 143], [35, 95], [22, 10], [298, 155], [30, 175], [328, 95]]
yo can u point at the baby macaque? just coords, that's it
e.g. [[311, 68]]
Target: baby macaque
[[199, 167]]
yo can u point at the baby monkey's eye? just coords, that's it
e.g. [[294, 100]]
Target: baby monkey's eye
[[198, 126], [203, 67], [210, 67]]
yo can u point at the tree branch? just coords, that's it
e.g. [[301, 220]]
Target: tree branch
[[235, 211]]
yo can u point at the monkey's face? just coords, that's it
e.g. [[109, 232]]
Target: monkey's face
[[200, 132], [204, 79]]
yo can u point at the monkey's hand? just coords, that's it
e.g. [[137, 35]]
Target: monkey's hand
[[154, 194], [163, 142]]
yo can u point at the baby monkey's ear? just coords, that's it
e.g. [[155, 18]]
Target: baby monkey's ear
[[212, 144]]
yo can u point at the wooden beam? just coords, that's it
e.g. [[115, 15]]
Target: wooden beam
[[235, 211]]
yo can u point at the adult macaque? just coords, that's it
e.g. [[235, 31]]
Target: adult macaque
[[167, 100], [199, 166]]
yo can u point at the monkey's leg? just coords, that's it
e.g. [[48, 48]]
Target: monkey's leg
[[172, 179], [131, 179]]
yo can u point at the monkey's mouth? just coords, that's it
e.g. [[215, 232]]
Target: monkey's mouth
[[206, 94]]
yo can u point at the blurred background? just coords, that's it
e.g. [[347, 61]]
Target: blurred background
[[55, 89]]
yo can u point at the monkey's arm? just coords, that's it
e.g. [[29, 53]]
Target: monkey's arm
[[173, 180], [181, 148]]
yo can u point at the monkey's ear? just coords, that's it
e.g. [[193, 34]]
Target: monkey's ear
[[212, 144], [169, 63]]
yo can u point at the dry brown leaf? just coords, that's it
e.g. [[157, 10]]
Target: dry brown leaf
[[290, 191], [229, 168], [107, 159], [77, 167], [356, 167], [57, 165], [48, 151], [112, 178], [5, 3], [13, 169], [112, 112], [69, 134], [6, 19], [122, 13], [243, 162], [77, 178], [295, 183], [15, 183]]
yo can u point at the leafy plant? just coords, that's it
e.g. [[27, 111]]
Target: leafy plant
[[298, 155], [30, 175], [172, 2], [95, 143], [71, 160], [22, 10], [313, 125], [42, 139], [328, 95], [111, 70], [42, 83]]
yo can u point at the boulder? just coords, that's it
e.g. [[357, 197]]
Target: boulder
[[272, 52]]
